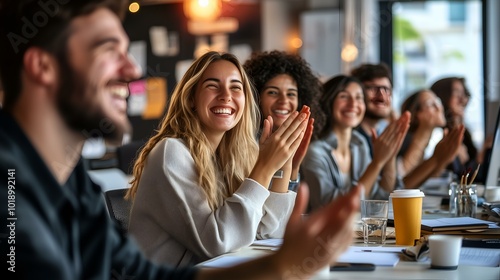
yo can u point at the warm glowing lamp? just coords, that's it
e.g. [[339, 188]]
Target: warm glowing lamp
[[202, 10], [134, 7], [349, 53], [296, 42]]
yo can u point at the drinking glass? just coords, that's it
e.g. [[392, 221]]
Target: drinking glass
[[374, 220]]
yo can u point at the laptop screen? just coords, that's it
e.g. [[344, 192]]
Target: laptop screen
[[493, 171]]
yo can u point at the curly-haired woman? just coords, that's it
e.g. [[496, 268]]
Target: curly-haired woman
[[283, 83]]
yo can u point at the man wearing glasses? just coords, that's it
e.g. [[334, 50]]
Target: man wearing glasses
[[377, 80]]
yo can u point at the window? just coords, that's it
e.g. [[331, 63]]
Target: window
[[457, 12], [429, 44]]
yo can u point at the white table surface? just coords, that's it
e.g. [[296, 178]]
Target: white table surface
[[403, 270]]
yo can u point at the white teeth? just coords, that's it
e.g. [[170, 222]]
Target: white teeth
[[282, 112], [222, 111], [119, 91]]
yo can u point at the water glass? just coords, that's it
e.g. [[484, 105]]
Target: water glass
[[374, 220]]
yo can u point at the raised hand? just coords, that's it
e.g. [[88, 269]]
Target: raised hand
[[387, 145], [308, 246], [447, 149], [313, 243], [304, 145], [278, 147]]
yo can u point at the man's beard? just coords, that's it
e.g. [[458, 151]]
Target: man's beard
[[77, 110], [375, 115]]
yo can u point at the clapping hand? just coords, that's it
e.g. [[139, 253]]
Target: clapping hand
[[313, 243], [387, 145], [304, 145], [447, 149], [278, 147]]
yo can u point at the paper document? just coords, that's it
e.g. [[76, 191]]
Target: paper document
[[376, 249], [379, 256], [274, 242], [479, 257], [226, 261]]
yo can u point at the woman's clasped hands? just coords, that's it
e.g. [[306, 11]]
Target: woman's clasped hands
[[277, 148]]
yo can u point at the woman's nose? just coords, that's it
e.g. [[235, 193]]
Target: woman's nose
[[225, 94]]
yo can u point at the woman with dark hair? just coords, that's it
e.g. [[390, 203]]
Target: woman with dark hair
[[455, 96], [427, 115], [283, 84], [340, 158]]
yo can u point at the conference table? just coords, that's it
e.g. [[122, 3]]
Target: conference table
[[402, 270]]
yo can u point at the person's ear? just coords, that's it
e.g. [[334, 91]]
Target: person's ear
[[40, 66]]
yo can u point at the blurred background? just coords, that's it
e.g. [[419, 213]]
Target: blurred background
[[421, 41]]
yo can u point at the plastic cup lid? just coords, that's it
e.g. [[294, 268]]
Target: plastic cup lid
[[406, 193]]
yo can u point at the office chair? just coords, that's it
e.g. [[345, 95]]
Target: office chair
[[118, 207], [127, 154]]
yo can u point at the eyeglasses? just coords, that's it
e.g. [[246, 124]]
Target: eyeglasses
[[382, 89]]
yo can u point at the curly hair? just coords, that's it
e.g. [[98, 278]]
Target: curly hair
[[238, 149], [264, 66]]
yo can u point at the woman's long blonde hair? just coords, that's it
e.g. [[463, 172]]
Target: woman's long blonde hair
[[236, 154]]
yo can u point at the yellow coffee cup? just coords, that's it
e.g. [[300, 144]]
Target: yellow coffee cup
[[407, 208]]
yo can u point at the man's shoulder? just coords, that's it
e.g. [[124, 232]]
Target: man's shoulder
[[360, 131], [13, 143], [9, 148]]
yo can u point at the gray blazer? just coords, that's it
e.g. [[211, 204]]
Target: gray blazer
[[321, 172]]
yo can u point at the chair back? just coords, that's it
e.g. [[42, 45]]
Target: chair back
[[127, 154], [118, 207]]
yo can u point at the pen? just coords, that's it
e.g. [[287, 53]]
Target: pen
[[379, 251]]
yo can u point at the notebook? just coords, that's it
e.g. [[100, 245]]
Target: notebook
[[455, 223]]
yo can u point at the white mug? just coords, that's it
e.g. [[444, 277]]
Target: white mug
[[444, 251], [492, 193]]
